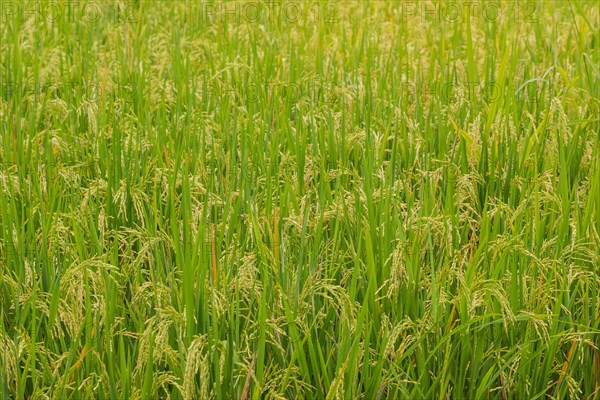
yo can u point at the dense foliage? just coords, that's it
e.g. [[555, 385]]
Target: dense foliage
[[355, 199]]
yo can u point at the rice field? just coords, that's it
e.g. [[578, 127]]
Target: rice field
[[299, 199]]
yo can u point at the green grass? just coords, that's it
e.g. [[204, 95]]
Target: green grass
[[311, 200]]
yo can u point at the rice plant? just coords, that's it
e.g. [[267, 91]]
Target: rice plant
[[299, 199]]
